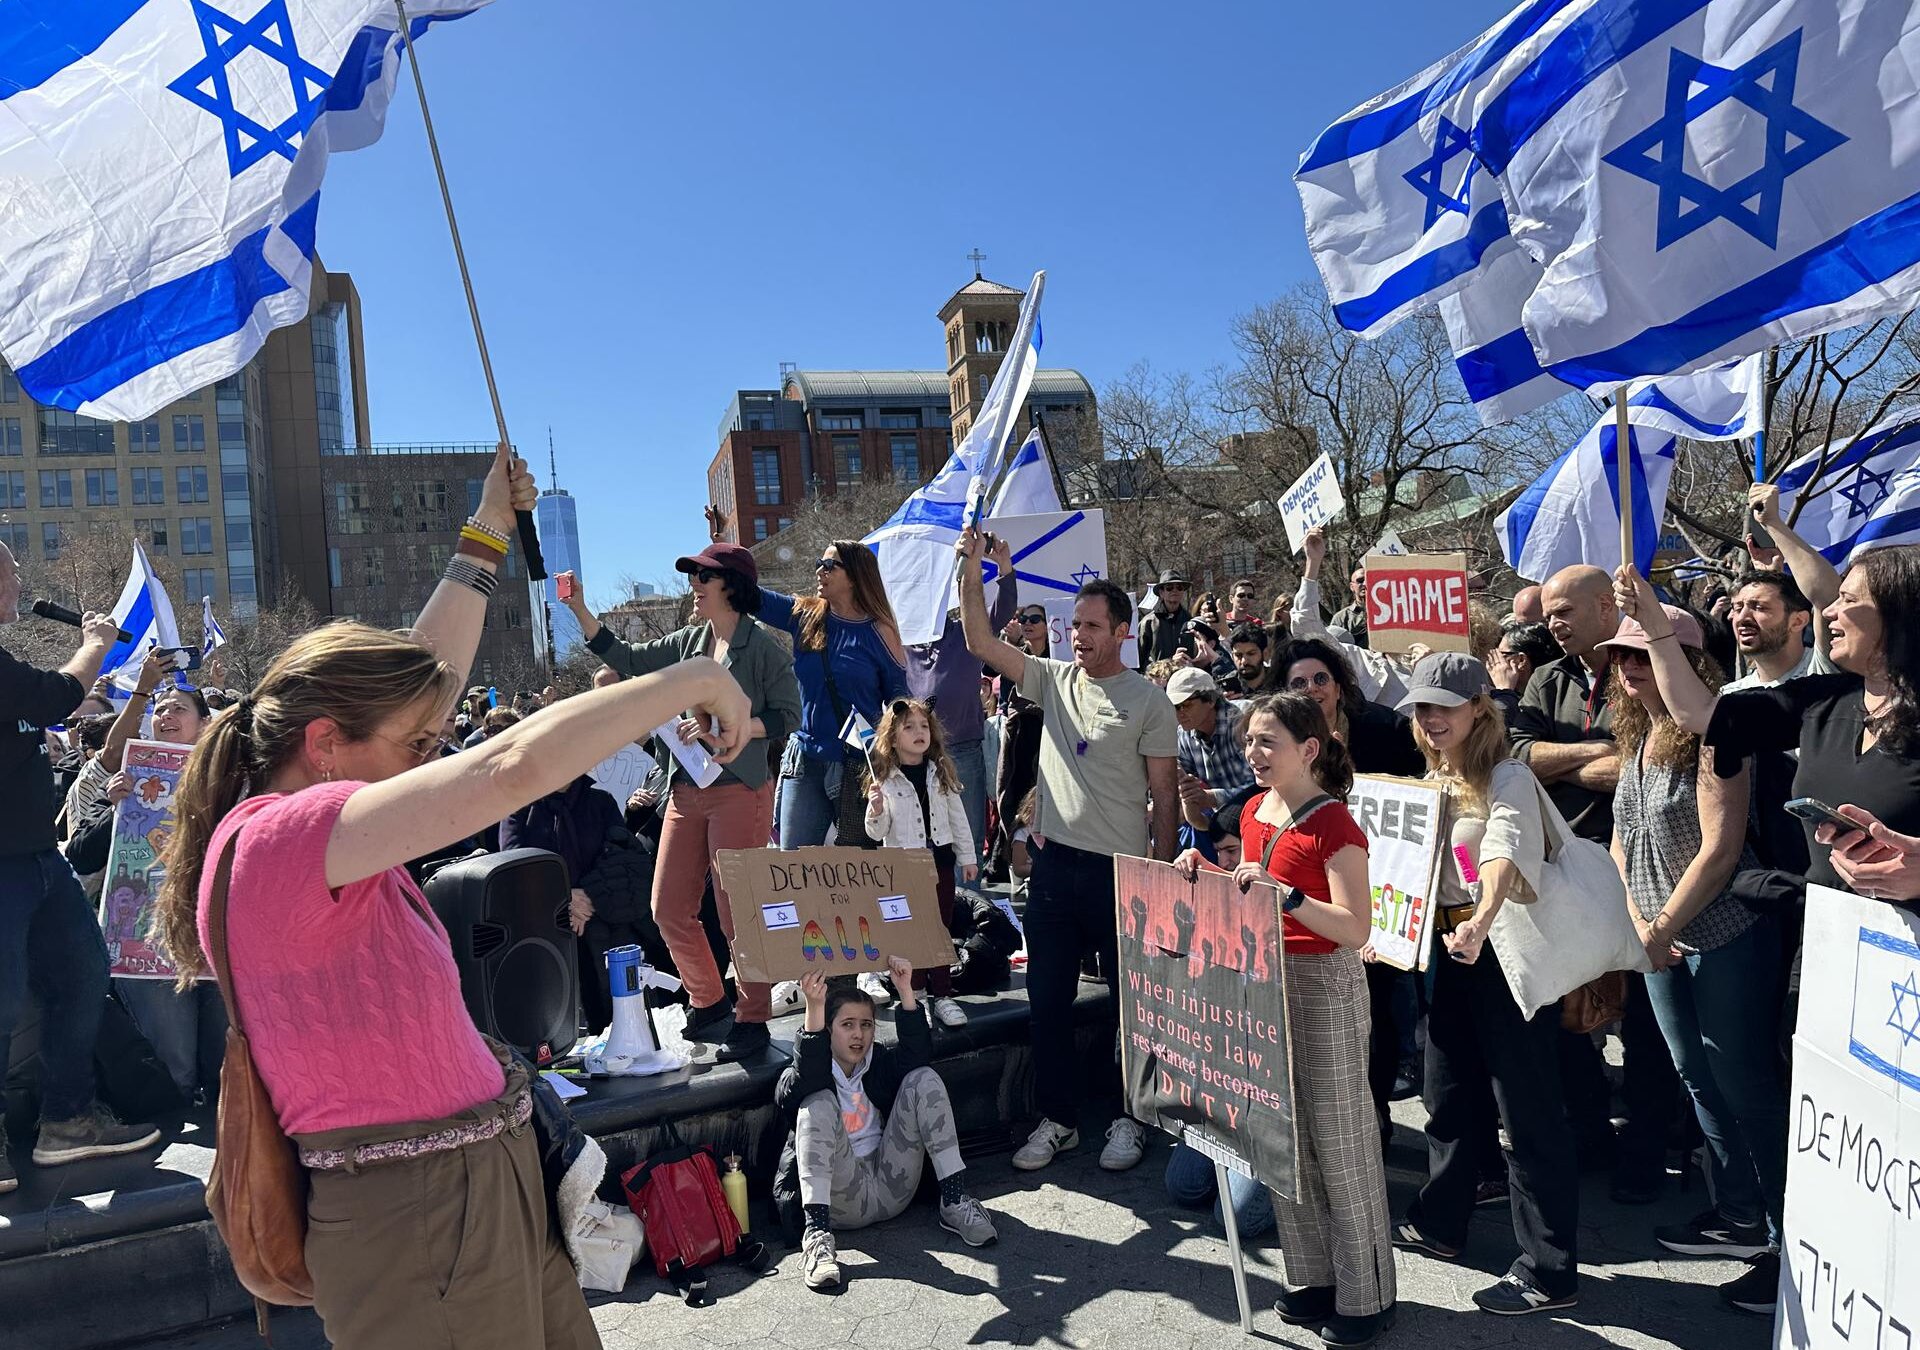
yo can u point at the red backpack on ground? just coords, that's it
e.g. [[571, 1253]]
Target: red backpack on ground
[[689, 1226]]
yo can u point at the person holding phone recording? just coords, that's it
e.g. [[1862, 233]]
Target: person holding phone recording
[[736, 809]]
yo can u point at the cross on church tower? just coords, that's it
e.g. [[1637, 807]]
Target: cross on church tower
[[976, 258]]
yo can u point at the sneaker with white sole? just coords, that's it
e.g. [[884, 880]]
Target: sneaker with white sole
[[1709, 1234], [98, 1134], [1758, 1288], [1046, 1140], [875, 988], [1126, 1144], [786, 997], [820, 1260], [967, 1219], [1515, 1297], [948, 1012], [9, 1179]]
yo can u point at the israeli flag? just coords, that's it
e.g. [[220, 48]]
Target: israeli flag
[[1028, 488], [161, 162], [1571, 513], [146, 611], [1400, 212], [212, 636], [857, 732], [1867, 497], [1704, 179]]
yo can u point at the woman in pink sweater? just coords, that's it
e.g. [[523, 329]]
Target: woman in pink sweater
[[427, 1216]]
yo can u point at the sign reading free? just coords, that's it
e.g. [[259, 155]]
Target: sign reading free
[[1417, 598]]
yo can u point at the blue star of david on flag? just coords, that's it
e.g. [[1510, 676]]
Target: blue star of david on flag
[[1905, 1017], [1866, 491], [1429, 177], [208, 86], [1794, 139]]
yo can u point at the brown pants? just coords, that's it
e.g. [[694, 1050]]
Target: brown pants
[[448, 1251], [699, 823]]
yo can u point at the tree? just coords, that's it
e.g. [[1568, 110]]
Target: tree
[[254, 644]]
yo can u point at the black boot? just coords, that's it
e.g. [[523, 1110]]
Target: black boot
[[747, 1040], [702, 1021], [1307, 1307], [1352, 1331]]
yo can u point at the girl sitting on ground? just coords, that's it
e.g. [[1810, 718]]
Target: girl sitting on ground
[[914, 801], [866, 1118]]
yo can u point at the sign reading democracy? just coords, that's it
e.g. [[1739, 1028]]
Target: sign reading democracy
[[1404, 820], [1851, 1239], [142, 824], [1312, 501], [835, 910], [1203, 1016], [1417, 598]]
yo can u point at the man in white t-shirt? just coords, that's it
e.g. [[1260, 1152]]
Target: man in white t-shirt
[[1107, 759]]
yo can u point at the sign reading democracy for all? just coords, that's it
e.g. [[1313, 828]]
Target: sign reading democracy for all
[[1203, 1016], [1417, 598], [1852, 1232], [1312, 501], [1403, 819], [142, 824], [836, 910]]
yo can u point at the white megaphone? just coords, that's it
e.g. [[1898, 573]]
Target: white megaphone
[[632, 1048]]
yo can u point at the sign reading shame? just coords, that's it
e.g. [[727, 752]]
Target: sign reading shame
[[1403, 819], [1203, 1016], [835, 910], [1417, 598]]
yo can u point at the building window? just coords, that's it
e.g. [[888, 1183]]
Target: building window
[[759, 528], [18, 538], [190, 483], [953, 342], [906, 458], [13, 488], [957, 393], [990, 335], [10, 438], [189, 433], [56, 487], [353, 508], [199, 581], [786, 522], [49, 541], [373, 567], [157, 532], [333, 568], [846, 459], [985, 383], [149, 487], [143, 438], [9, 385], [842, 420], [900, 419], [196, 534], [103, 487], [65, 433], [766, 475]]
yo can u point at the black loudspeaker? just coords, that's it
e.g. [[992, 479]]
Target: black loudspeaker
[[519, 969]]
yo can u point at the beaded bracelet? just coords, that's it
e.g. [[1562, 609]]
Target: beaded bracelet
[[475, 523], [475, 536], [463, 573]]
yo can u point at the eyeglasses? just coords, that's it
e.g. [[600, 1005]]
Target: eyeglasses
[[422, 747], [826, 565], [1038, 616], [1320, 679], [704, 575]]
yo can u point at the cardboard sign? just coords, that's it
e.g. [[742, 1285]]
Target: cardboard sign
[[1313, 500], [142, 824], [1405, 821], [836, 910], [1852, 1229], [1417, 598], [1203, 1016]]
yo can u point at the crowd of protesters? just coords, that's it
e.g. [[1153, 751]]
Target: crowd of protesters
[[312, 802]]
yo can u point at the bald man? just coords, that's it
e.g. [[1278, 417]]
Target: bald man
[[1527, 607]]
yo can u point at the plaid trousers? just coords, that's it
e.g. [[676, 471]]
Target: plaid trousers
[[1338, 1231]]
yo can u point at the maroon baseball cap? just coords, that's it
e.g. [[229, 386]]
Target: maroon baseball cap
[[726, 557]]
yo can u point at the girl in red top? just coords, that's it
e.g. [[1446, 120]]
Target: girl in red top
[[1335, 1235]]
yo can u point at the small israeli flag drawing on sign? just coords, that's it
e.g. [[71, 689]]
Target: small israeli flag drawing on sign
[[779, 917], [1885, 1035], [893, 908]]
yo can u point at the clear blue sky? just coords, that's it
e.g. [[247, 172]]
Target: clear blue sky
[[663, 202]]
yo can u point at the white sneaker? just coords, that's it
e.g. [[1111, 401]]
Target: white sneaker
[[1126, 1144], [948, 1012], [1046, 1140], [787, 997], [875, 988], [820, 1261]]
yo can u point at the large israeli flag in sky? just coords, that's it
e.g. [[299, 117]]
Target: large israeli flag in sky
[[1702, 179], [1867, 496], [161, 162]]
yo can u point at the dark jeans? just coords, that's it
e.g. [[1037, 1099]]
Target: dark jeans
[[1390, 997], [1069, 912], [50, 944], [188, 1031], [1649, 1090], [1476, 1036]]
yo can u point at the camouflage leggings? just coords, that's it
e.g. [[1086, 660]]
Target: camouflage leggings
[[879, 1186]]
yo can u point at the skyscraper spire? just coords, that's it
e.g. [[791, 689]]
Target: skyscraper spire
[[553, 471]]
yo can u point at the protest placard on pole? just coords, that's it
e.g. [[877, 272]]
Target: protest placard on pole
[[835, 910], [1417, 598], [1203, 1026], [142, 824], [1313, 500], [1404, 820], [1851, 1236]]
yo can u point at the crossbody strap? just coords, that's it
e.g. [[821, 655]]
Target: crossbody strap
[[1266, 854], [217, 931]]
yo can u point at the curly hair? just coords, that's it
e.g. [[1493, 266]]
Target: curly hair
[[1329, 655], [1668, 744], [883, 756]]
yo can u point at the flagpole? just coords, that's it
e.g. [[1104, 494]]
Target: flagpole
[[1623, 472], [529, 538]]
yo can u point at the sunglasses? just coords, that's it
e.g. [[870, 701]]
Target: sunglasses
[[1320, 679], [704, 575], [826, 565], [1038, 616]]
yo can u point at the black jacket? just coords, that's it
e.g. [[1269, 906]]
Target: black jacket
[[812, 1071], [1380, 740], [1163, 634], [30, 700]]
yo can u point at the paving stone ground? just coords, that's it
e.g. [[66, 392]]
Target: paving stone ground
[[1101, 1261]]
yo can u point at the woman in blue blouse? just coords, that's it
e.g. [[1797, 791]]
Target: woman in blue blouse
[[847, 655]]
